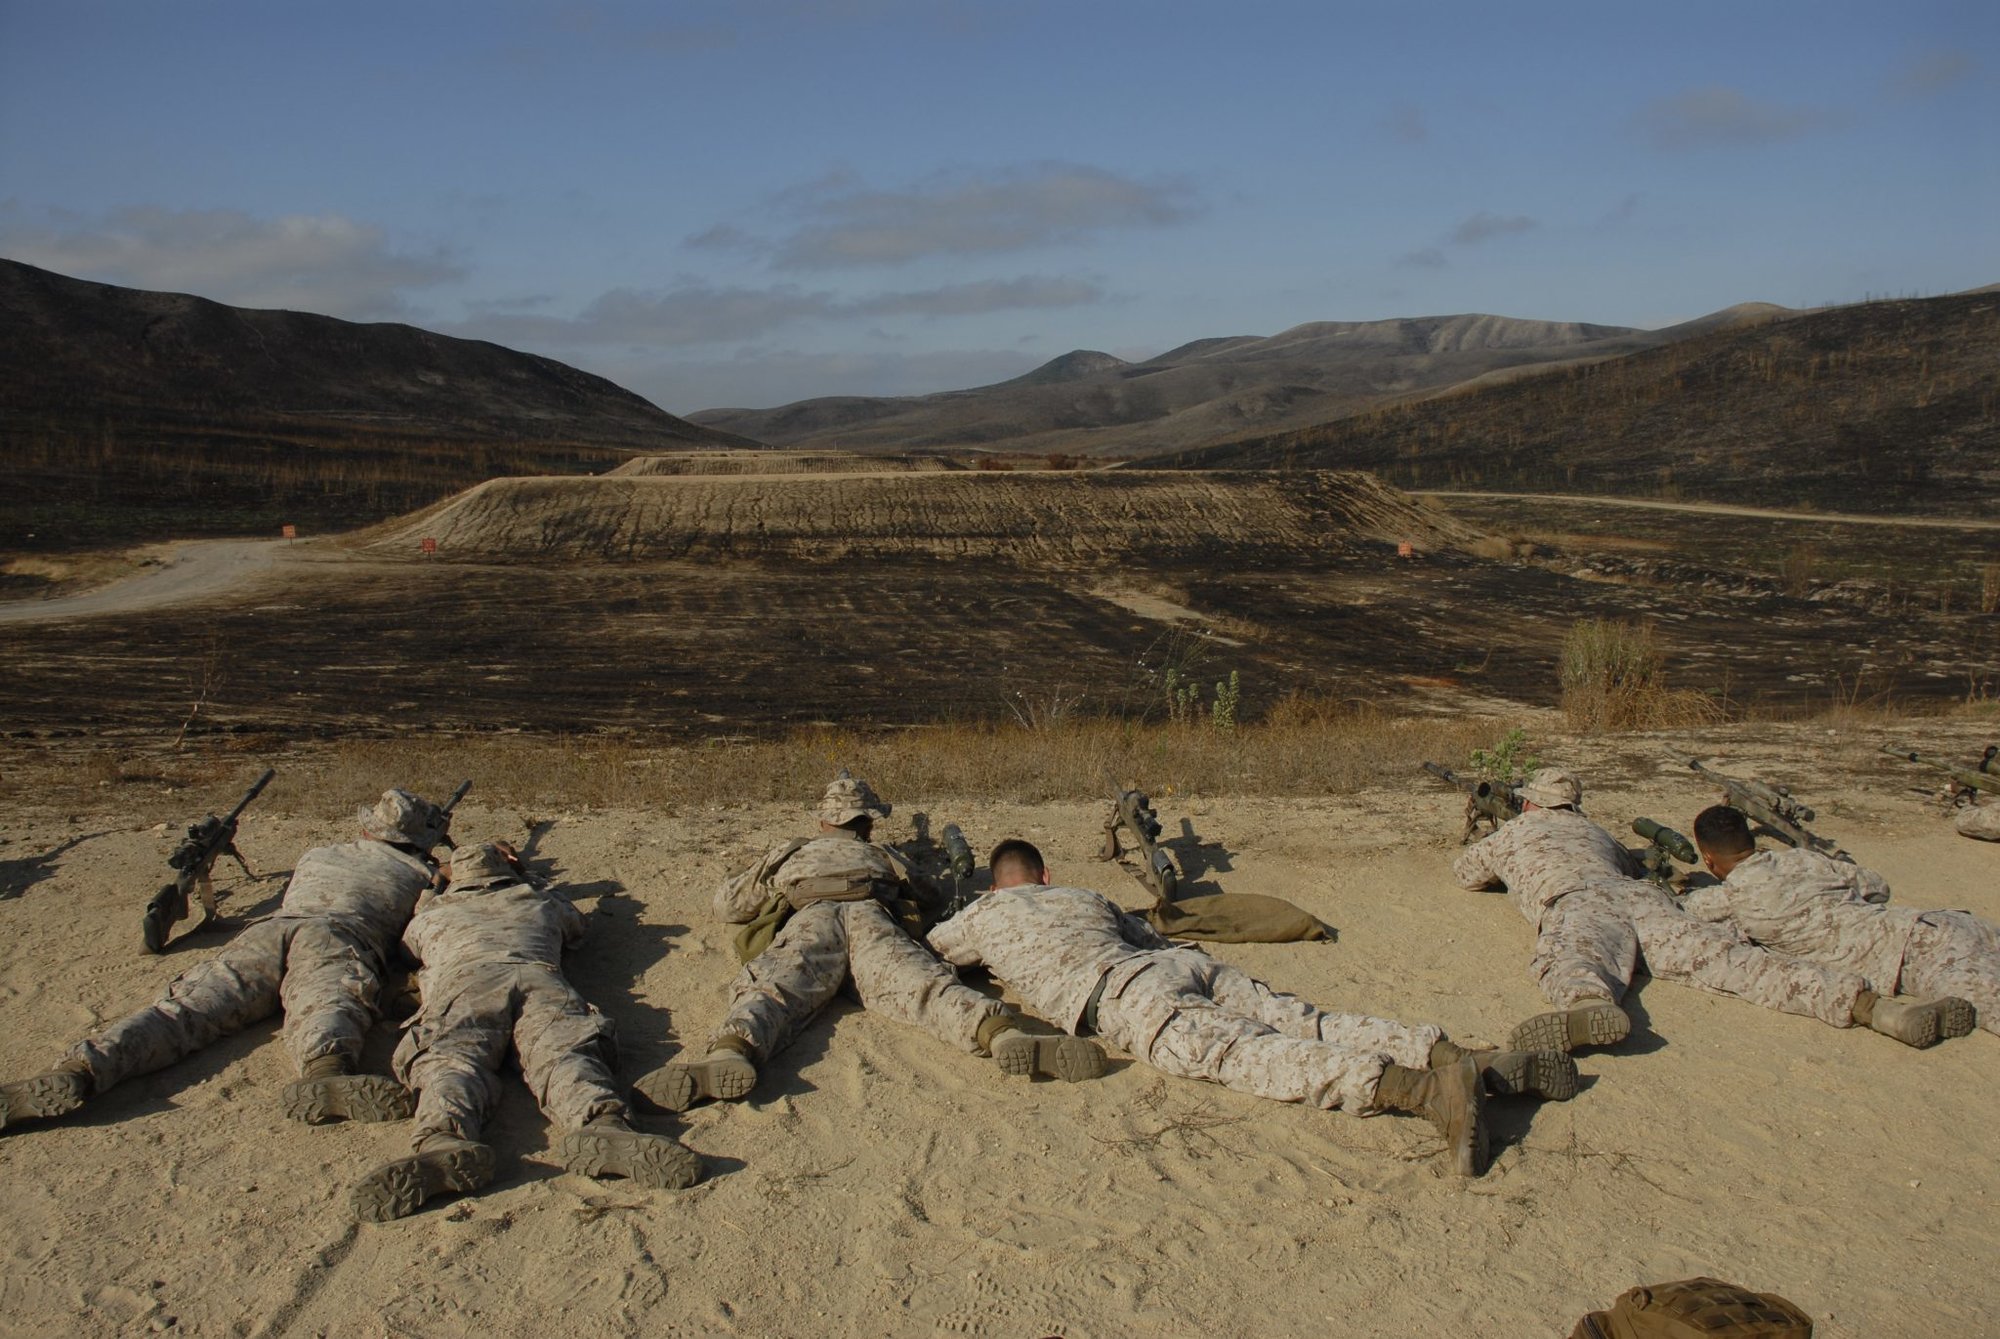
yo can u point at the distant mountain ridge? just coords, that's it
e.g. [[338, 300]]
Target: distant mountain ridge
[[1879, 407], [1091, 403], [164, 413]]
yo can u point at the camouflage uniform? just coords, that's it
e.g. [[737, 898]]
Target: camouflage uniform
[[491, 949], [839, 931], [1979, 820], [1181, 1011], [320, 959], [1809, 905], [1573, 882]]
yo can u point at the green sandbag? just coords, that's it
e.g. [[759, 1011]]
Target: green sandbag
[[1235, 918]]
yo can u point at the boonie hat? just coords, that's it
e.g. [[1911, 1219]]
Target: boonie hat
[[1552, 788], [484, 863], [848, 799], [402, 817]]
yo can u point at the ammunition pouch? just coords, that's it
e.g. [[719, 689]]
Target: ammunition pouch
[[1700, 1308], [805, 892]]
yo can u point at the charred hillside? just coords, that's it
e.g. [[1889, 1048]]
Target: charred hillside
[[146, 414], [1885, 406]]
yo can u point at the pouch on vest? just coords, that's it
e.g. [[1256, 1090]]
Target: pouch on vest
[[1700, 1308], [829, 888]]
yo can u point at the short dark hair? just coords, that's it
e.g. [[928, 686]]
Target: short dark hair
[[1017, 851], [1723, 830]]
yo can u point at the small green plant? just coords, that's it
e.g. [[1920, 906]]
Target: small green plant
[[1507, 762], [1228, 693]]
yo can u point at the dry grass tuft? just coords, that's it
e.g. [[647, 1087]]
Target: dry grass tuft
[[1614, 678]]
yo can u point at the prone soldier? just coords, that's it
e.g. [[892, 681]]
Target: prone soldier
[[491, 945], [830, 899], [1593, 917], [1807, 904], [1092, 967], [321, 959]]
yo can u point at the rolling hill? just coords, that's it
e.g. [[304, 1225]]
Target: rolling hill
[[1879, 407], [143, 414], [1094, 404]]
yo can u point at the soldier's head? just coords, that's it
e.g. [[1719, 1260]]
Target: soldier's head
[[1723, 836], [1015, 862], [850, 804], [483, 865], [406, 820], [1551, 788]]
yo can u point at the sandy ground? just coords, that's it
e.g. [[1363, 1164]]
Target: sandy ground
[[173, 574], [883, 1183]]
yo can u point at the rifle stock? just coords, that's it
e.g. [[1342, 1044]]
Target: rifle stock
[[1770, 807]]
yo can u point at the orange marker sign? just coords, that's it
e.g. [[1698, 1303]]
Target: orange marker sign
[[428, 545], [1405, 550], [290, 532]]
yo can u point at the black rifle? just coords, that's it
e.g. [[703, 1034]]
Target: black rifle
[[1493, 801], [1663, 847], [194, 863], [1132, 815], [1966, 782], [444, 814], [1772, 808]]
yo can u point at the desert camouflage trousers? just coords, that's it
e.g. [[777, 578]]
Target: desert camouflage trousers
[[451, 1052], [1195, 1017], [1591, 940], [1955, 953], [1979, 820], [325, 976], [783, 988]]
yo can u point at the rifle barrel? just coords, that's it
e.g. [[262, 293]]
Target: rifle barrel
[[256, 789]]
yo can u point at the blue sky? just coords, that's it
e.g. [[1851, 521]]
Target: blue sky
[[750, 203]]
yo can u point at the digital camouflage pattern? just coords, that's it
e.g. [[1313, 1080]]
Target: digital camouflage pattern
[[1979, 820], [783, 988], [492, 980], [320, 958], [1806, 904], [1570, 878], [836, 857], [1176, 1008], [1809, 905]]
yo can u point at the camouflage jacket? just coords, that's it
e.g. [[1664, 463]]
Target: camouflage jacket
[[499, 922], [1542, 855], [367, 886], [1051, 945], [1809, 905], [834, 856]]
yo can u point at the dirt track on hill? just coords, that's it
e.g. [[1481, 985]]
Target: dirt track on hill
[[186, 572], [781, 462], [1722, 509]]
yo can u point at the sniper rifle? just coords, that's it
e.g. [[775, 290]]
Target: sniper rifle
[[1772, 808], [1966, 782], [1132, 816], [193, 863], [1494, 802]]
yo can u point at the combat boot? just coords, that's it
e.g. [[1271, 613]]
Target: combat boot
[[1025, 1054], [1549, 1075], [607, 1146], [1591, 1022], [443, 1164], [1448, 1098], [1918, 1023], [727, 1073], [330, 1090], [45, 1096]]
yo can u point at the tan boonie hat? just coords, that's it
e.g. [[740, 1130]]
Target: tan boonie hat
[[848, 799], [402, 817], [1552, 788], [484, 863]]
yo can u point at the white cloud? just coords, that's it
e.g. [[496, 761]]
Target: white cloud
[[305, 262], [1484, 227], [838, 221], [1722, 117], [700, 314]]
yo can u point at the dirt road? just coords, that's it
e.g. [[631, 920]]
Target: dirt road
[[186, 571], [1722, 509]]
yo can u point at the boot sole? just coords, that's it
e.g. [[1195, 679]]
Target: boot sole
[[356, 1097], [43, 1097], [400, 1188], [1566, 1030], [678, 1087], [1956, 1017], [643, 1159], [1071, 1059], [1549, 1075]]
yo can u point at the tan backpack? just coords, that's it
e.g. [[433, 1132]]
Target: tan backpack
[[1696, 1309]]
